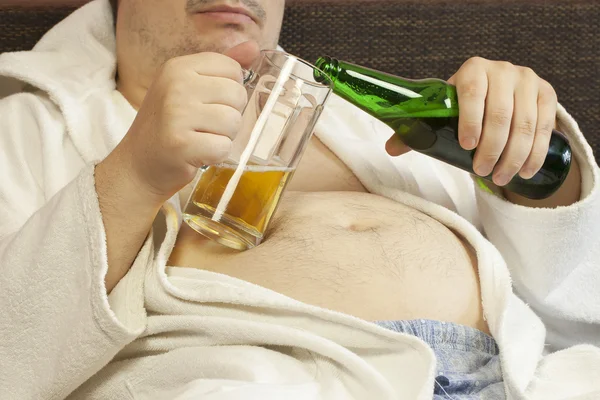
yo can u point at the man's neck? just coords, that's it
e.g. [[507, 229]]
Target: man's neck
[[133, 81]]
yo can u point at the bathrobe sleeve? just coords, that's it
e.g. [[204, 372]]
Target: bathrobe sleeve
[[554, 254], [57, 328]]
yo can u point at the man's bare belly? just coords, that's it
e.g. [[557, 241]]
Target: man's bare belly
[[353, 252]]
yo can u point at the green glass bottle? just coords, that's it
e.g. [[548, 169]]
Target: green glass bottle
[[424, 113]]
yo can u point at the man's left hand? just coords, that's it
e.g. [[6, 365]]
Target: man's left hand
[[507, 112]]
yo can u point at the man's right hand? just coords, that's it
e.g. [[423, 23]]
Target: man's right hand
[[189, 117]]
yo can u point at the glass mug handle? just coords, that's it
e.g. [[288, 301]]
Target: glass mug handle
[[247, 74]]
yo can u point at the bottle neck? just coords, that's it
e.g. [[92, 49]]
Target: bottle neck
[[336, 70], [328, 65], [381, 94]]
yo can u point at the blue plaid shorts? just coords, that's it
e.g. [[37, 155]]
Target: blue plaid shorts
[[468, 364]]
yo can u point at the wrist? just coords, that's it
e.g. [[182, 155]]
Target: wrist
[[121, 193], [128, 213]]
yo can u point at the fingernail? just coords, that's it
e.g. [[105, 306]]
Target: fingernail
[[469, 143], [527, 174], [483, 170], [501, 180]]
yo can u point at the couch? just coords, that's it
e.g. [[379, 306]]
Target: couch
[[559, 39]]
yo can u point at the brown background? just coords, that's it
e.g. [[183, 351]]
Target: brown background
[[559, 39], [37, 3]]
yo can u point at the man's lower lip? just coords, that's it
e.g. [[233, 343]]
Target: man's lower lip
[[227, 17]]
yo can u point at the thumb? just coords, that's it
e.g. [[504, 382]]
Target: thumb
[[395, 147], [245, 53]]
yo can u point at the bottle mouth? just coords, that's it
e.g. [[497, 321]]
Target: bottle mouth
[[327, 69]]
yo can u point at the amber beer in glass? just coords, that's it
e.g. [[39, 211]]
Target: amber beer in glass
[[233, 202]]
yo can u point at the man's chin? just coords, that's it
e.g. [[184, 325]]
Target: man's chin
[[224, 41]]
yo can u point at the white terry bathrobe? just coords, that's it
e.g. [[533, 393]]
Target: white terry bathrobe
[[173, 333]]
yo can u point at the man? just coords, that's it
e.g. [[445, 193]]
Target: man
[[105, 294]]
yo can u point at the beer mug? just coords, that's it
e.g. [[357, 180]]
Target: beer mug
[[233, 202]]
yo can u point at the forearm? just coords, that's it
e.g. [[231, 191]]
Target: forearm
[[128, 211]]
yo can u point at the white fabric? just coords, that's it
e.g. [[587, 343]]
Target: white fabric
[[167, 332]]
